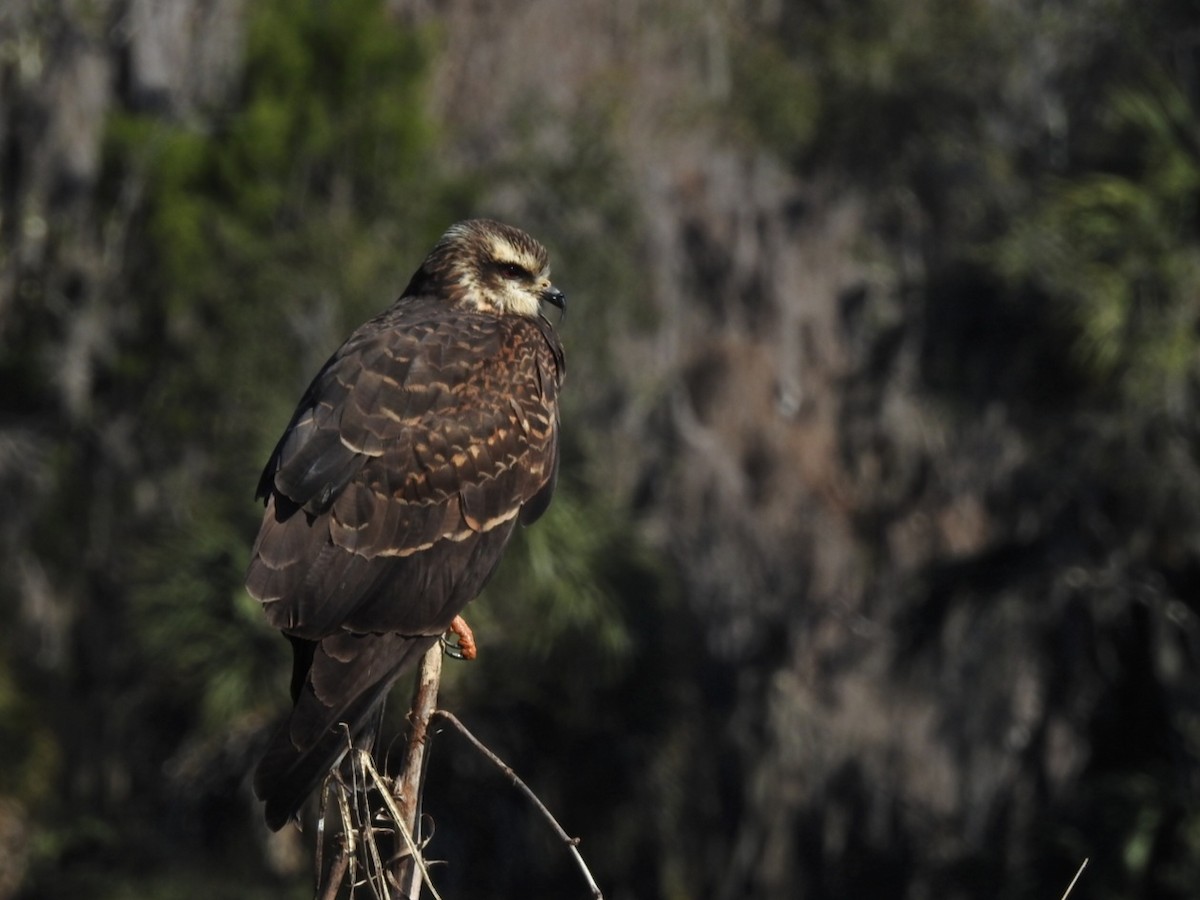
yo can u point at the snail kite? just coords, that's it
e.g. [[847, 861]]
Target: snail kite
[[413, 454]]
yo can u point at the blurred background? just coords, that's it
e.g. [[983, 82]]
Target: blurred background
[[874, 569]]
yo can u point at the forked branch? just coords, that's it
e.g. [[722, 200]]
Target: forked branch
[[400, 872]]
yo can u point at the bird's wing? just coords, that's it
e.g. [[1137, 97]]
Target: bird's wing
[[429, 425]]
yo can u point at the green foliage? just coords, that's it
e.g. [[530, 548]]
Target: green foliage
[[203, 632], [872, 90], [1106, 249], [1036, 174], [910, 99], [777, 97], [560, 582]]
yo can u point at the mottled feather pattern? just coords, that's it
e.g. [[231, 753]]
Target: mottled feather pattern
[[402, 478], [411, 457]]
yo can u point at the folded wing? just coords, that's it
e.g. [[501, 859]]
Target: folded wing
[[390, 498]]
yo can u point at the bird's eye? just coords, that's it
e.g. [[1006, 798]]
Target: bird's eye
[[512, 270]]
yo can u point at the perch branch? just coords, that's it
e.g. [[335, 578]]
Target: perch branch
[[407, 792], [400, 876]]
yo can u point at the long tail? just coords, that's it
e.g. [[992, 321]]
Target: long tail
[[347, 679]]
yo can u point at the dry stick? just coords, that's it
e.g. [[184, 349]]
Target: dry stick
[[396, 817], [402, 812], [514, 779], [1071, 886], [329, 882], [407, 791], [375, 874], [337, 871]]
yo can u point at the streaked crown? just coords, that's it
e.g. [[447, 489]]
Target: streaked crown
[[490, 267]]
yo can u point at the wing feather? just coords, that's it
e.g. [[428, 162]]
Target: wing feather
[[427, 426]]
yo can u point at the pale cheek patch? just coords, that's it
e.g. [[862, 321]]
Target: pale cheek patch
[[520, 301]]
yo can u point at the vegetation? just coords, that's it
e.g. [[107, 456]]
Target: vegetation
[[910, 611]]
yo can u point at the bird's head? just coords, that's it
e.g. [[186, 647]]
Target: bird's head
[[489, 267]]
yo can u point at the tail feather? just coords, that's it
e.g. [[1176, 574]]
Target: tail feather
[[351, 678]]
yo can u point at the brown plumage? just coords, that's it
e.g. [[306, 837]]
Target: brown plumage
[[390, 497]]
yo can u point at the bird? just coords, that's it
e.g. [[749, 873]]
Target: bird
[[408, 463]]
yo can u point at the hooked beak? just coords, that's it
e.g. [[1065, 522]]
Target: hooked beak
[[555, 297]]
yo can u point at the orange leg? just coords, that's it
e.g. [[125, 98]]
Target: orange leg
[[466, 638]]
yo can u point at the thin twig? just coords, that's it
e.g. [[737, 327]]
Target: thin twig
[[319, 855], [376, 874], [358, 832], [398, 818], [514, 779], [1071, 886], [329, 882]]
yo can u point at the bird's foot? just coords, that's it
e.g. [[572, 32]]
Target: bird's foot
[[465, 647]]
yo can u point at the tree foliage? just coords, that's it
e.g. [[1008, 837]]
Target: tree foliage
[[1047, 195], [912, 616]]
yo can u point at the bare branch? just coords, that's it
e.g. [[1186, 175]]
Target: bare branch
[[407, 790], [514, 779], [401, 874], [388, 876]]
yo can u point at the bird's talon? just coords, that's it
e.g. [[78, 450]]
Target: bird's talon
[[465, 648]]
